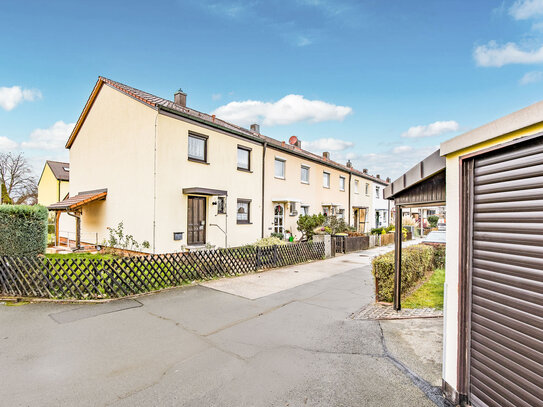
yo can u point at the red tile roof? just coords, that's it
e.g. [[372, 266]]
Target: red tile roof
[[78, 200]]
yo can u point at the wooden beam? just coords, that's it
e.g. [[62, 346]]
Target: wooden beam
[[398, 259], [57, 234], [78, 232]]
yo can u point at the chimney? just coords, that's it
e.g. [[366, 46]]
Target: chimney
[[378, 176], [365, 170], [349, 164], [298, 143], [326, 155], [255, 128], [180, 98], [388, 180]]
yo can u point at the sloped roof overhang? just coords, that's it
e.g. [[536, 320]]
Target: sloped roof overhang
[[204, 191], [427, 168], [75, 202]]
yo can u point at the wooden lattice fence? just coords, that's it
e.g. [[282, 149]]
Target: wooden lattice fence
[[80, 278]]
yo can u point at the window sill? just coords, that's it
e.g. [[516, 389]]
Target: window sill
[[325, 187], [244, 170], [195, 160], [305, 183], [244, 223], [283, 178]]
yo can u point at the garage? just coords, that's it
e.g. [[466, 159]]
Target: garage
[[503, 254], [493, 291]]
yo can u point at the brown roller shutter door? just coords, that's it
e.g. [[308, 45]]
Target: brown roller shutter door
[[506, 336]]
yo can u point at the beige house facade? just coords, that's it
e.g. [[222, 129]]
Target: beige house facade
[[177, 178]]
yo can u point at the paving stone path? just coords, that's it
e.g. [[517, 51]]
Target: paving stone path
[[381, 311]]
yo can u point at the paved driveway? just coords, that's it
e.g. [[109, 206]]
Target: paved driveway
[[197, 346]]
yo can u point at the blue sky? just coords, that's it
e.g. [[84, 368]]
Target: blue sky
[[381, 83]]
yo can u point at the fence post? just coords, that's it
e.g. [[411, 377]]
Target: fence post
[[327, 240], [257, 262]]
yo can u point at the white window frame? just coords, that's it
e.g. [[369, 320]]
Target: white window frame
[[367, 188], [302, 168], [326, 176], [342, 183], [356, 186], [304, 209], [284, 164]]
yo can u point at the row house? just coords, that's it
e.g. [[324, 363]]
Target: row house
[[178, 178]]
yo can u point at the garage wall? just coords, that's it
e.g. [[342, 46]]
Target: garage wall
[[450, 339]]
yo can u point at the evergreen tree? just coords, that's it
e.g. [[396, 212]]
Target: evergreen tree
[[5, 197]]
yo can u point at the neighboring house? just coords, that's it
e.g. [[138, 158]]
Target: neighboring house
[[491, 179], [54, 182], [361, 201], [180, 178], [54, 186], [380, 204]]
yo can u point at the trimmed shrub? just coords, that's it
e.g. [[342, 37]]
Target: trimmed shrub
[[417, 260], [439, 255], [433, 220], [23, 230]]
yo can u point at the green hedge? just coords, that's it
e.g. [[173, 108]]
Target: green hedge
[[23, 230], [417, 260]]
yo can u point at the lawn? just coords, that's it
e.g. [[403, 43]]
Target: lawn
[[85, 256], [428, 295]]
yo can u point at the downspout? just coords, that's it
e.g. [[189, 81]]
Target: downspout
[[58, 188], [154, 181], [263, 182], [349, 207]]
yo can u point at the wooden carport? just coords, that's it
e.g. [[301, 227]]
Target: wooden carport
[[422, 185], [73, 206]]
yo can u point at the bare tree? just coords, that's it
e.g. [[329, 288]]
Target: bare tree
[[16, 175]]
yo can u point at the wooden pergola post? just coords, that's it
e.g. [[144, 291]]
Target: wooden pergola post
[[398, 259], [57, 234], [78, 231]]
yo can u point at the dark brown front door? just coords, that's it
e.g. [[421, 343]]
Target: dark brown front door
[[196, 231]]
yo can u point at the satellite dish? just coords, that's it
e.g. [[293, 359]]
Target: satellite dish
[[293, 140]]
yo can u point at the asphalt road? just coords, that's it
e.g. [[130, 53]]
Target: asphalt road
[[197, 346]]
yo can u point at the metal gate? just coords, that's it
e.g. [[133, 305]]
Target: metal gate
[[505, 366]]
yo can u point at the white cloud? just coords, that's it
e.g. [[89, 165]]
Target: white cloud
[[7, 144], [52, 138], [430, 130], [496, 56], [216, 96], [11, 97], [326, 144], [289, 109], [525, 9], [531, 77], [402, 149]]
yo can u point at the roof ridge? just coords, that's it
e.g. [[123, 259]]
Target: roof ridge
[[58, 162]]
